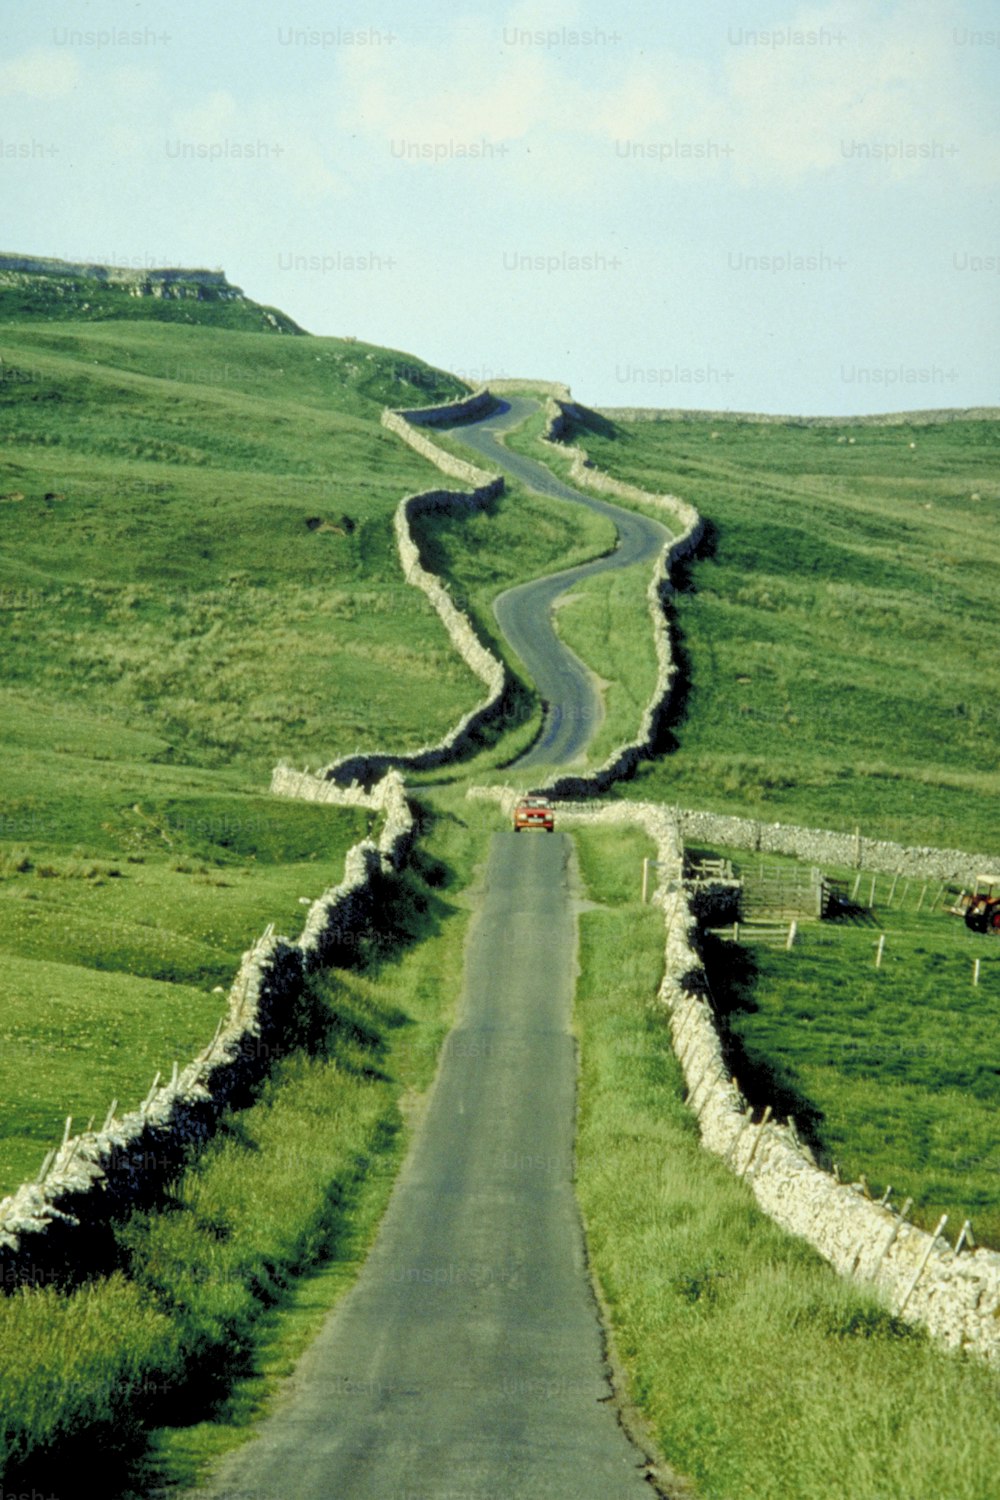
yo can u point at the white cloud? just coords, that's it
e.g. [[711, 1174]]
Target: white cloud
[[467, 87], [214, 117], [273, 136], [40, 74], [828, 88], [866, 83]]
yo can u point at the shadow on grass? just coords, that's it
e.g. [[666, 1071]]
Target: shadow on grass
[[220, 1317], [732, 976], [586, 421], [125, 1451]]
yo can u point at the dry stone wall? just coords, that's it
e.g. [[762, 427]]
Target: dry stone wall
[[769, 419], [401, 423], [956, 1296], [557, 402], [367, 767], [688, 529], [58, 1228], [821, 846], [465, 409]]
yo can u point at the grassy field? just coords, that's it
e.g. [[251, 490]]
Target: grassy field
[[836, 638], [202, 526], [199, 577], [882, 1067], [883, 1070], [762, 1375], [123, 914], [208, 1283]]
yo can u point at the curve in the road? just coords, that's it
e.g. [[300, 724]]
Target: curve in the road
[[524, 614], [468, 1358]]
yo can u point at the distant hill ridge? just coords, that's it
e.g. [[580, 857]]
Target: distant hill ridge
[[38, 265], [38, 286]]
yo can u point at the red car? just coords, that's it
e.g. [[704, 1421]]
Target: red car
[[533, 812]]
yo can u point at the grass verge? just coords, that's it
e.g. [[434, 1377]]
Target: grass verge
[[186, 1341], [761, 1374], [606, 621]]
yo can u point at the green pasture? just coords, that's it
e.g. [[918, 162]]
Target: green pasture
[[885, 1064], [761, 1374], [835, 633]]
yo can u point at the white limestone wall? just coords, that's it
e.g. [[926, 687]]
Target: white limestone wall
[[934, 416], [401, 423], [367, 767], [57, 1226], [821, 846], [956, 1296]]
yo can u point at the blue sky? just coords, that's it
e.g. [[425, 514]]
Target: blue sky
[[767, 206]]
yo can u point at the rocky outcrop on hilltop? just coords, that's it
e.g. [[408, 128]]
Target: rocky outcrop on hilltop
[[41, 286]]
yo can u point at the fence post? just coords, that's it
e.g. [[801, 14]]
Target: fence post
[[756, 1141], [746, 1121], [965, 1237], [893, 1233], [924, 1259]]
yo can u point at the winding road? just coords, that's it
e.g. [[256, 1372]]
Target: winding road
[[524, 614], [467, 1362]]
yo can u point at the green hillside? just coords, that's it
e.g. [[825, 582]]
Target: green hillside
[[836, 633], [55, 290], [198, 578]]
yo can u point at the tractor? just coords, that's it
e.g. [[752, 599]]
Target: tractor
[[982, 913], [980, 909]]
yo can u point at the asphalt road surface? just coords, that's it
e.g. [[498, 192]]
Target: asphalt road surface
[[524, 613], [466, 1363]]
